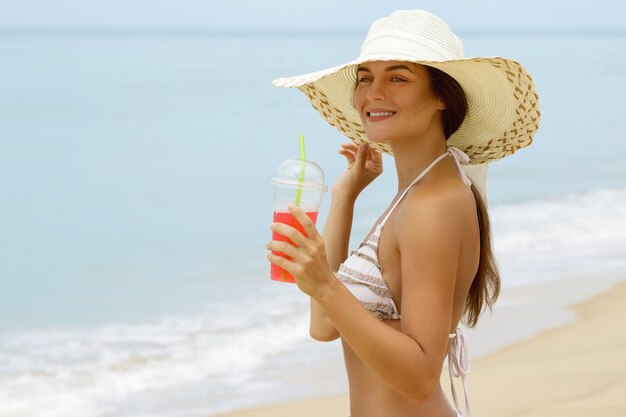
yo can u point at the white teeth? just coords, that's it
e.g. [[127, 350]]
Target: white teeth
[[380, 114]]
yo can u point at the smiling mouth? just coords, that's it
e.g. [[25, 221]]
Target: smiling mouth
[[380, 113]]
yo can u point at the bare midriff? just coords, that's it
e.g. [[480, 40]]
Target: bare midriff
[[371, 396]]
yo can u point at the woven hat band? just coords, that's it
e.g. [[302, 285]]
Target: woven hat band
[[415, 48]]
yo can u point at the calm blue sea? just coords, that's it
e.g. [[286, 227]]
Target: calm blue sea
[[135, 200]]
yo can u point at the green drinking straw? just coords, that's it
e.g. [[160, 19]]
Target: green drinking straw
[[302, 169]]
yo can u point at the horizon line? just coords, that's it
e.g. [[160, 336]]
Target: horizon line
[[272, 32]]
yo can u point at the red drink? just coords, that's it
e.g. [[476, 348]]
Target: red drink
[[278, 273], [299, 182]]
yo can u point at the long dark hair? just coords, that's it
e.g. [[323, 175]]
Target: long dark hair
[[485, 287]]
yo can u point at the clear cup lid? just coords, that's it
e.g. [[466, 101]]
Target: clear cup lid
[[290, 173]]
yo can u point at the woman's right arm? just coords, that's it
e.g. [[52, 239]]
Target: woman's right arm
[[364, 166]]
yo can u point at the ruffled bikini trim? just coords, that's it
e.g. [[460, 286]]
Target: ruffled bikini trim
[[369, 245], [350, 276], [368, 258], [382, 311]]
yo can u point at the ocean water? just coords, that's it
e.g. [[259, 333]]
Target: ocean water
[[135, 200]]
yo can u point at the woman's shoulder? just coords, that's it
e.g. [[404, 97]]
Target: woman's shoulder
[[435, 220], [443, 210], [434, 199]]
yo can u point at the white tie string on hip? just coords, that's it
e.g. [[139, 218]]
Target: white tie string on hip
[[459, 366]]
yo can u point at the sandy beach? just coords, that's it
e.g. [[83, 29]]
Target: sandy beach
[[574, 369]]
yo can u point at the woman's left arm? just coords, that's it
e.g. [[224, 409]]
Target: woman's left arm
[[409, 359]]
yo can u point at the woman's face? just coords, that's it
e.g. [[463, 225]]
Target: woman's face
[[395, 100]]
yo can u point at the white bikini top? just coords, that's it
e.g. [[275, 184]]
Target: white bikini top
[[363, 277]]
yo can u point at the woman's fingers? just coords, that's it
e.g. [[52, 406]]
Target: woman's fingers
[[376, 156], [350, 156], [364, 162], [363, 153], [289, 232], [305, 252], [349, 152], [284, 263], [363, 149], [375, 163], [304, 220], [349, 147], [293, 234], [283, 247]]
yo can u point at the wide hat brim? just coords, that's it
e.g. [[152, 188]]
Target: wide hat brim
[[503, 105]]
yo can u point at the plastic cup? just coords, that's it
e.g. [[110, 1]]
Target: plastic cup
[[301, 182]]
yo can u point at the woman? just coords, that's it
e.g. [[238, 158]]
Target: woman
[[427, 264]]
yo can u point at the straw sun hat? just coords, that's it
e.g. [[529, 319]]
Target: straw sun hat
[[503, 106]]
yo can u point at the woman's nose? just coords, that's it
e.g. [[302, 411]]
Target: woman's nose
[[376, 91]]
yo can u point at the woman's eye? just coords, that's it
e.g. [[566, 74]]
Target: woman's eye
[[364, 80], [396, 79]]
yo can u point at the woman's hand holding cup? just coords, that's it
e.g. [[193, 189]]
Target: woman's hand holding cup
[[306, 251]]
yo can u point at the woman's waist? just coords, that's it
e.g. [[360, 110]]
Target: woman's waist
[[371, 396]]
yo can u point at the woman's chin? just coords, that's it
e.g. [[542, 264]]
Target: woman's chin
[[377, 138]]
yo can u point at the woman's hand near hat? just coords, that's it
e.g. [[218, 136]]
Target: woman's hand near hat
[[364, 165]]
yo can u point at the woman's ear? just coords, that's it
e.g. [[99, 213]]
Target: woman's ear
[[440, 104]]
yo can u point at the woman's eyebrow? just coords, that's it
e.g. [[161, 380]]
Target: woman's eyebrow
[[391, 68], [397, 67]]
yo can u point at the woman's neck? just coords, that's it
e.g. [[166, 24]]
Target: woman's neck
[[413, 156]]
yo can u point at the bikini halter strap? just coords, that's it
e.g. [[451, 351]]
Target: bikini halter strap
[[459, 159]]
